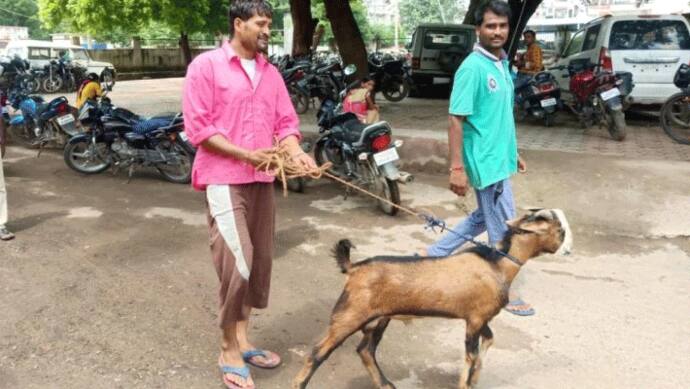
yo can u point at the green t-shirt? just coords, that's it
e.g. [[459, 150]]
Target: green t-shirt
[[483, 94]]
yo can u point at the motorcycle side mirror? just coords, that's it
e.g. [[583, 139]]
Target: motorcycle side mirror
[[350, 70]]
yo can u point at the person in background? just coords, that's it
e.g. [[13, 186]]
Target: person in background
[[360, 102], [531, 61], [90, 89]]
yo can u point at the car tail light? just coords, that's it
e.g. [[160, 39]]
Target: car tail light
[[416, 63], [62, 108], [3, 100], [381, 142], [605, 59]]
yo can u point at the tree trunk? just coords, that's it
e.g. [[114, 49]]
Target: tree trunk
[[184, 46], [303, 25], [515, 27], [347, 35], [517, 23]]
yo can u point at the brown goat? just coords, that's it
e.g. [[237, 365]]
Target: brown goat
[[472, 285]]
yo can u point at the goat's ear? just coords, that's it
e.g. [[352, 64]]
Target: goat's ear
[[514, 224], [537, 227]]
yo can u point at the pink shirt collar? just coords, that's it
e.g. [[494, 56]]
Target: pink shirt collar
[[230, 53]]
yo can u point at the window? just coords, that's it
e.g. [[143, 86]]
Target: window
[[575, 45], [649, 35], [440, 40], [39, 53], [591, 38], [80, 55]]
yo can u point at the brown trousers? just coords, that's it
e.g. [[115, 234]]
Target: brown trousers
[[241, 221]]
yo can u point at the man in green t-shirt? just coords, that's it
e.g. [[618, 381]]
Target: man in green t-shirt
[[482, 128]]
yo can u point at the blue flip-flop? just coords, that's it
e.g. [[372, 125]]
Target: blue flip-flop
[[249, 355], [519, 312], [242, 372]]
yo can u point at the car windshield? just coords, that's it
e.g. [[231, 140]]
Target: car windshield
[[445, 39], [649, 35], [80, 55]]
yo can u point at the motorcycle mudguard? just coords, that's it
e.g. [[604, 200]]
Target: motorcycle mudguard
[[615, 104], [390, 171], [17, 120], [79, 138]]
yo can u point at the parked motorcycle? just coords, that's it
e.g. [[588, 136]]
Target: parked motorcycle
[[675, 113], [39, 123], [297, 86], [391, 76], [121, 139], [63, 75], [539, 98], [599, 96], [363, 154]]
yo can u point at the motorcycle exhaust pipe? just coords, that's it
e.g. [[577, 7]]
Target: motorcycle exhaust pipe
[[405, 178]]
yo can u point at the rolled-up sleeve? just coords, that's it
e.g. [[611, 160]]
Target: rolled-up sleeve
[[286, 121], [197, 102]]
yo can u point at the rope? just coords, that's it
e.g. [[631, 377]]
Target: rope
[[282, 165]]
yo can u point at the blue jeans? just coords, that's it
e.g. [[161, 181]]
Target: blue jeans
[[496, 207]]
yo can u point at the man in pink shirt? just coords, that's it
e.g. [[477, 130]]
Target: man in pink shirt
[[236, 107]]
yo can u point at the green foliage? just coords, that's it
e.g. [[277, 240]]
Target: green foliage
[[22, 13], [118, 18], [414, 12], [359, 10]]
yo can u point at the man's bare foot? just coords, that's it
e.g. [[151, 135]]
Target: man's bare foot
[[233, 359]]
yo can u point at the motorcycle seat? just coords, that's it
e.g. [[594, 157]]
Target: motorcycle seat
[[145, 126]]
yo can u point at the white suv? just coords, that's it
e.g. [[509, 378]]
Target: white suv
[[650, 47]]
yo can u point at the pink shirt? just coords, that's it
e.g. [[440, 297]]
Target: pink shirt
[[219, 98]]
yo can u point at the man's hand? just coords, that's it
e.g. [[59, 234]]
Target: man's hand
[[304, 160], [257, 157], [458, 182], [522, 165]]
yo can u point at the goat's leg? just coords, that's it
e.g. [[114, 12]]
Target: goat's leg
[[342, 326], [487, 337], [373, 333], [471, 355]]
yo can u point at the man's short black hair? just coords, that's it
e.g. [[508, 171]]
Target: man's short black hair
[[500, 8], [531, 32], [245, 9]]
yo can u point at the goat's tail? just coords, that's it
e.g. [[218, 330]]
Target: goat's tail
[[341, 252]]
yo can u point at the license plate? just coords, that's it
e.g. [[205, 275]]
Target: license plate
[[184, 136], [548, 102], [609, 94], [65, 120], [386, 156]]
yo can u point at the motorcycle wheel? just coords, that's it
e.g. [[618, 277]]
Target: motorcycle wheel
[[85, 157], [296, 184], [321, 156], [299, 100], [389, 190], [52, 84], [549, 119], [178, 174], [675, 118], [616, 125], [397, 90], [33, 85], [108, 78]]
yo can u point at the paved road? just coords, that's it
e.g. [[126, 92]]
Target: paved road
[[110, 284]]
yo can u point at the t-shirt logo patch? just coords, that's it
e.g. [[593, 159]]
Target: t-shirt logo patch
[[493, 85]]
